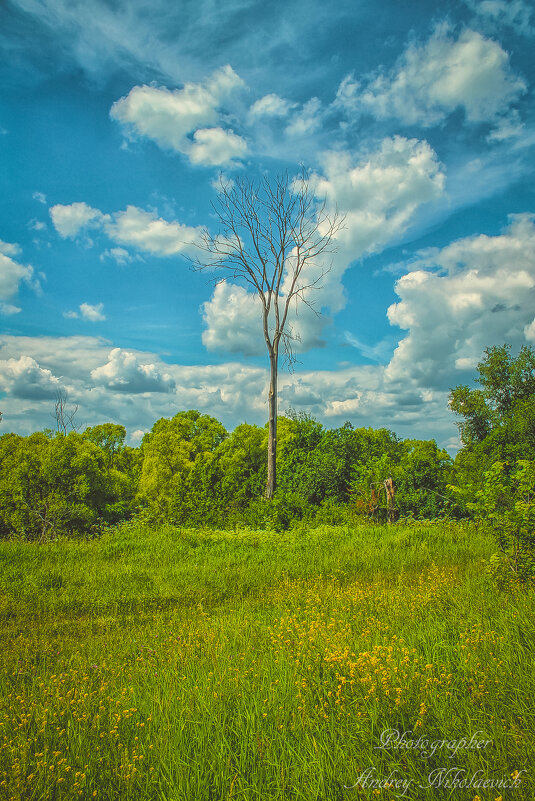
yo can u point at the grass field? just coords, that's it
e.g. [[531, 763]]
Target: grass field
[[336, 663]]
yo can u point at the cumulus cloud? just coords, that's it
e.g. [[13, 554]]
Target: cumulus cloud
[[70, 220], [134, 226], [135, 389], [214, 146], [23, 378], [379, 194], [72, 356], [474, 293], [306, 120], [150, 233], [12, 273], [432, 80], [233, 321], [126, 372], [270, 106], [172, 117], [529, 331]]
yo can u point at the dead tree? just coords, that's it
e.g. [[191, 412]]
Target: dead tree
[[274, 236], [390, 491], [63, 415]]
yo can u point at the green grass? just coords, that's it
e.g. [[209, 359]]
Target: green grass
[[187, 664]]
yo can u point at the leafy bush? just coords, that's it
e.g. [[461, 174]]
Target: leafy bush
[[505, 506]]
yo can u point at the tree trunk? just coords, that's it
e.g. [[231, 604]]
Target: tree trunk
[[271, 483]]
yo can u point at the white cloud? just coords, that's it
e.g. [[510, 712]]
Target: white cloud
[[87, 312], [431, 80], [233, 320], [9, 248], [529, 331], [8, 308], [483, 294], [23, 378], [12, 273], [135, 389], [125, 372], [509, 127], [307, 120], [222, 182], [120, 255], [214, 146], [73, 356], [379, 193], [40, 197], [270, 106], [143, 229], [134, 227], [92, 313], [70, 220], [171, 117], [515, 14], [376, 353]]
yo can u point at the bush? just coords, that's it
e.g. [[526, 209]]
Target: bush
[[505, 506]]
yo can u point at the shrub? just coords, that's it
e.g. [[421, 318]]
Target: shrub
[[505, 506]]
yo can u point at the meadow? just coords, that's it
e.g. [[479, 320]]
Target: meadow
[[350, 662]]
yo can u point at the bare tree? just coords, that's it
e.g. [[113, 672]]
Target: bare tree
[[63, 415], [274, 236]]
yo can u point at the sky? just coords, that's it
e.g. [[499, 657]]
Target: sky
[[119, 119]]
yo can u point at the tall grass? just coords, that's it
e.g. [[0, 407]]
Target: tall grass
[[182, 664]]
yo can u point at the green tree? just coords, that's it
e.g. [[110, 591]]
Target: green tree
[[498, 418], [109, 437], [242, 465], [505, 403], [170, 451], [62, 485], [505, 506], [423, 474], [51, 486]]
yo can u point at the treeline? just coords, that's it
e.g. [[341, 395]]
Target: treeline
[[189, 470]]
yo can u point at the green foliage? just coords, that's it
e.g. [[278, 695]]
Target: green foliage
[[498, 422], [313, 462], [423, 474], [419, 469], [378, 453], [499, 418], [109, 437], [505, 507], [48, 486], [241, 465], [171, 451], [61, 485]]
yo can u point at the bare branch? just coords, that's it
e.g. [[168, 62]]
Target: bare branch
[[63, 415], [274, 236]]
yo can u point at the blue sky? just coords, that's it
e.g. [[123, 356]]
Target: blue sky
[[117, 120]]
